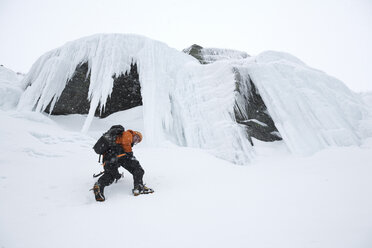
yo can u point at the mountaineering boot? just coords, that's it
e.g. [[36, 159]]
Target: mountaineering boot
[[141, 189], [98, 192]]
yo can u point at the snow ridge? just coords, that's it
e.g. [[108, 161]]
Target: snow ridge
[[211, 55], [10, 90]]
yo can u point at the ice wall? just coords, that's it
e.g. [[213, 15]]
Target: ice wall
[[182, 100], [311, 109], [202, 107], [193, 104]]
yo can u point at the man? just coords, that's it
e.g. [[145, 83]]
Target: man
[[122, 157]]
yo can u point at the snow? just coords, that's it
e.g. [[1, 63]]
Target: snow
[[367, 98], [193, 105], [279, 200], [211, 55], [255, 121], [10, 90]]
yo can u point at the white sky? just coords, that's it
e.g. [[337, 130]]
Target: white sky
[[334, 36]]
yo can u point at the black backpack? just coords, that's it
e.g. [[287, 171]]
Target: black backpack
[[107, 142]]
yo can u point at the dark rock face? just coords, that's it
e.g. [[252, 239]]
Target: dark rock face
[[126, 94], [74, 97], [250, 111], [195, 51]]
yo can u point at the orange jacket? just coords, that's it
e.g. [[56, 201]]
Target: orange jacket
[[126, 140]]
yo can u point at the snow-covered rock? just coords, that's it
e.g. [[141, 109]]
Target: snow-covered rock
[[311, 109], [210, 55], [196, 105], [249, 109], [10, 90]]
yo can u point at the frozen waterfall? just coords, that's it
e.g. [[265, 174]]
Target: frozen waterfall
[[193, 104]]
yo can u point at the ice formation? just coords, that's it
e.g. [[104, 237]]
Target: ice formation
[[193, 104], [311, 109], [183, 101]]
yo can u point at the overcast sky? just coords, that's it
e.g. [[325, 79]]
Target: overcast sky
[[334, 36]]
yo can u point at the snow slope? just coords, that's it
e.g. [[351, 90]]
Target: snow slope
[[279, 200], [10, 88], [193, 104], [367, 98]]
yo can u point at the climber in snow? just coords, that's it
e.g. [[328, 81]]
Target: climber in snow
[[115, 146]]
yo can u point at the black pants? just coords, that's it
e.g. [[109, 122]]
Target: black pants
[[111, 167]]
